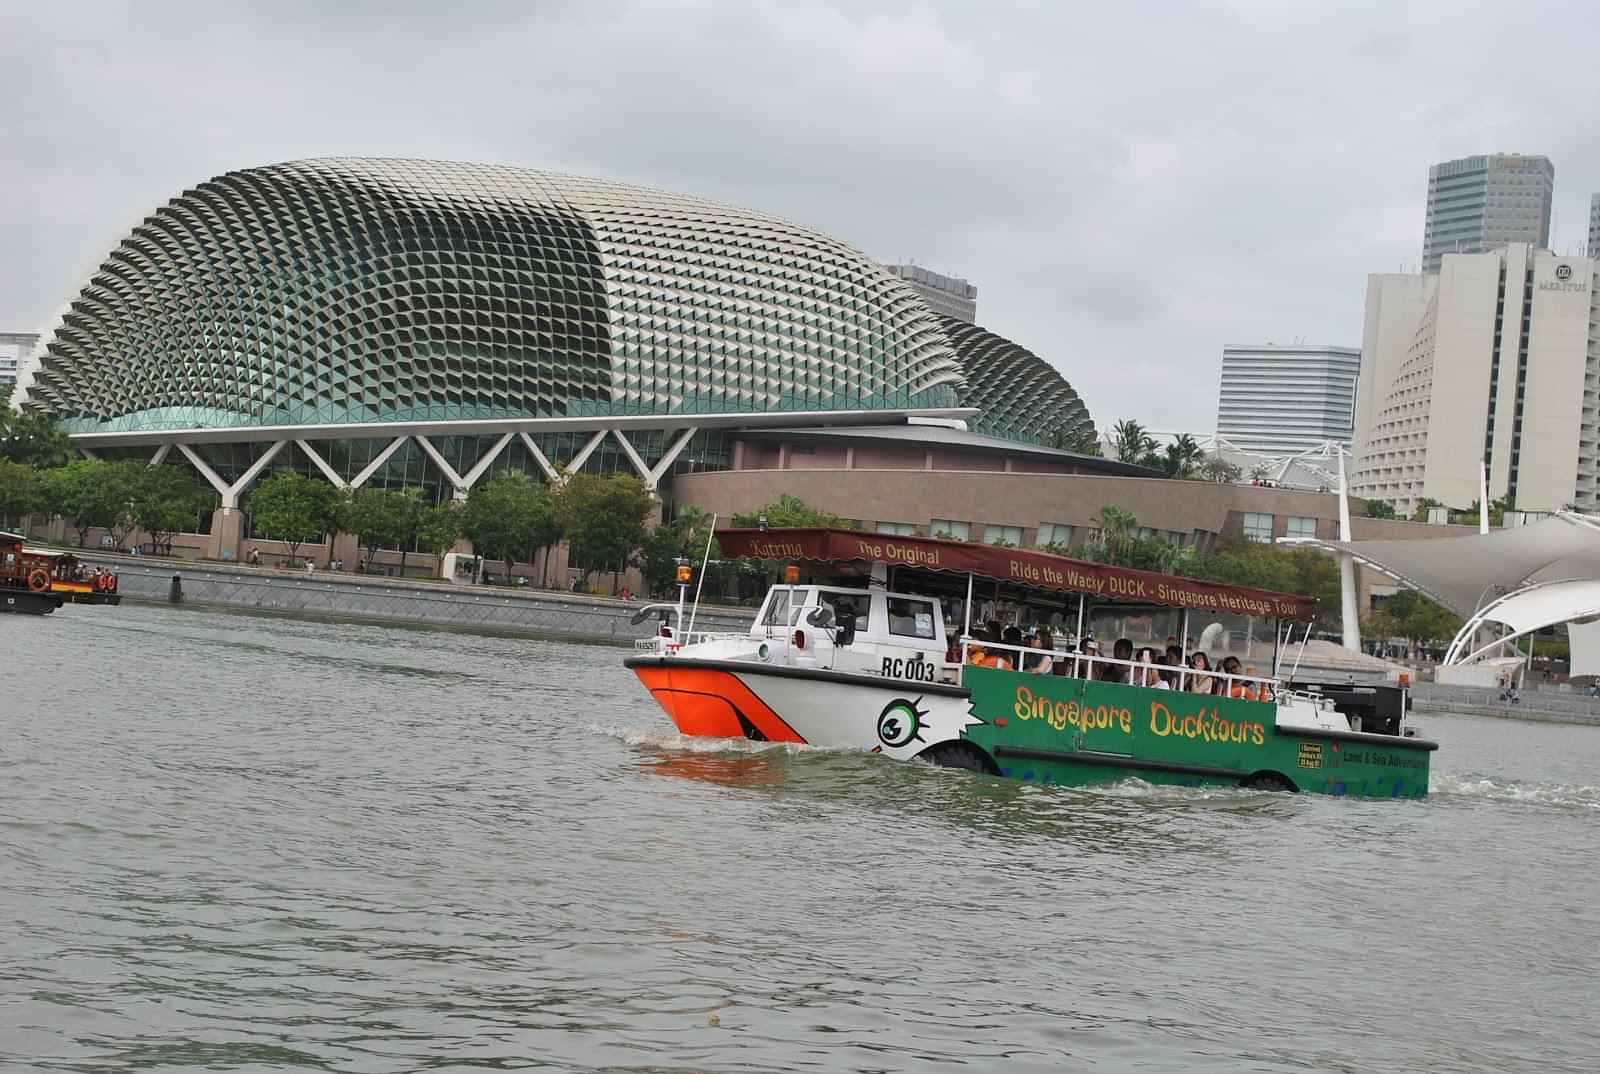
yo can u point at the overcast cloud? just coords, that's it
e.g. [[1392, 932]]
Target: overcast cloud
[[1130, 186]]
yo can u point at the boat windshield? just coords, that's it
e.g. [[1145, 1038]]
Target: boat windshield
[[777, 610], [852, 608]]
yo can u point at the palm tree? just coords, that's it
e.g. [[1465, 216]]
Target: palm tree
[[1130, 441], [1184, 456], [1118, 531]]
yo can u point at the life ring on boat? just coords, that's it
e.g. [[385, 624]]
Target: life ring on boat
[[39, 580], [103, 583]]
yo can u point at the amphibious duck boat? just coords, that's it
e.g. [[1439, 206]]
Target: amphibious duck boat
[[866, 653]]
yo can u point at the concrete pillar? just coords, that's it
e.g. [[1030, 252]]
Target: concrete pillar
[[227, 526]]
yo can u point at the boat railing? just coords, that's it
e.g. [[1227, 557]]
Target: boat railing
[[1091, 666], [667, 644]]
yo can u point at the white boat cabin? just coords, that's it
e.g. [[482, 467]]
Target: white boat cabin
[[866, 631]]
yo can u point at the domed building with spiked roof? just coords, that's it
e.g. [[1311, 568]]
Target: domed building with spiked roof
[[414, 322]]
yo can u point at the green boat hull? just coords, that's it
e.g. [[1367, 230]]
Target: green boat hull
[[1072, 732]]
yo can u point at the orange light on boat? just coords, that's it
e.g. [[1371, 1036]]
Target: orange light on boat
[[791, 575], [683, 574]]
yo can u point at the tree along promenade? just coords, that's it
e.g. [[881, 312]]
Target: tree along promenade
[[377, 599]]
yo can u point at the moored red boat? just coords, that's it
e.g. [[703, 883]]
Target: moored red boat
[[861, 655], [37, 581]]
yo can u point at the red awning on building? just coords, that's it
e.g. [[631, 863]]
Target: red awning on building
[[1020, 566]]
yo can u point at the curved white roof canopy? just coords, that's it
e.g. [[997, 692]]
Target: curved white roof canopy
[[1532, 608], [1463, 573]]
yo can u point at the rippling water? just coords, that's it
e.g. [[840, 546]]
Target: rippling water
[[230, 842]]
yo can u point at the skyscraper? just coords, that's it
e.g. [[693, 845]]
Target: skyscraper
[[949, 295], [1501, 365], [1280, 399], [1593, 249], [14, 349], [1484, 202]]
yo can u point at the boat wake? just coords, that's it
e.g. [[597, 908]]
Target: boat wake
[[667, 738], [1472, 786]]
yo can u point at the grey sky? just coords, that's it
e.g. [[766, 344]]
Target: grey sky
[[1130, 186]]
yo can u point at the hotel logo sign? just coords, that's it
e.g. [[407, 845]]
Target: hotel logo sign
[[1565, 282]]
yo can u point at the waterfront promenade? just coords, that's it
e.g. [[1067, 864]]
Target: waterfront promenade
[[332, 594]]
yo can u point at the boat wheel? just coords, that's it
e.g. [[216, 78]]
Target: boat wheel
[[1267, 781], [959, 755]]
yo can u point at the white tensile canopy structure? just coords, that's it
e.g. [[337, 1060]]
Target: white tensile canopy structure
[[1521, 579]]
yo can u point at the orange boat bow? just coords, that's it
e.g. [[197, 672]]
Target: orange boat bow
[[708, 702]]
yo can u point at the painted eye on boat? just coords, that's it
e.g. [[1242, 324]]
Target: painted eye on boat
[[900, 723]]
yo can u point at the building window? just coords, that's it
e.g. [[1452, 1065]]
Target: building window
[[897, 529], [951, 530], [1257, 527], [1054, 533], [1302, 527], [1008, 535]]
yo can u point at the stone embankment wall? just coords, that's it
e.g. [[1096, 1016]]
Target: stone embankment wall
[[346, 596], [1545, 705]]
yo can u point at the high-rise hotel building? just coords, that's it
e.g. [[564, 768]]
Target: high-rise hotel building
[[14, 349], [1280, 399], [1496, 358], [952, 296], [1484, 202]]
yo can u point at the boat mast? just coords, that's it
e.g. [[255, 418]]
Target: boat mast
[[1078, 641], [966, 628], [1349, 613]]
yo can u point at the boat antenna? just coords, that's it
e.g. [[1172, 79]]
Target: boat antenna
[[699, 583], [1302, 651]]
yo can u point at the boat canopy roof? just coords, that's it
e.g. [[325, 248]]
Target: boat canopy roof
[[1017, 566], [46, 553]]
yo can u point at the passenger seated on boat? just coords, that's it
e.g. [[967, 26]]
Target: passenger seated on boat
[[1089, 664], [1012, 635], [1235, 688], [978, 656], [1122, 650], [1263, 691], [1201, 683], [1064, 667], [1167, 668], [1044, 664], [1145, 673], [995, 660]]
